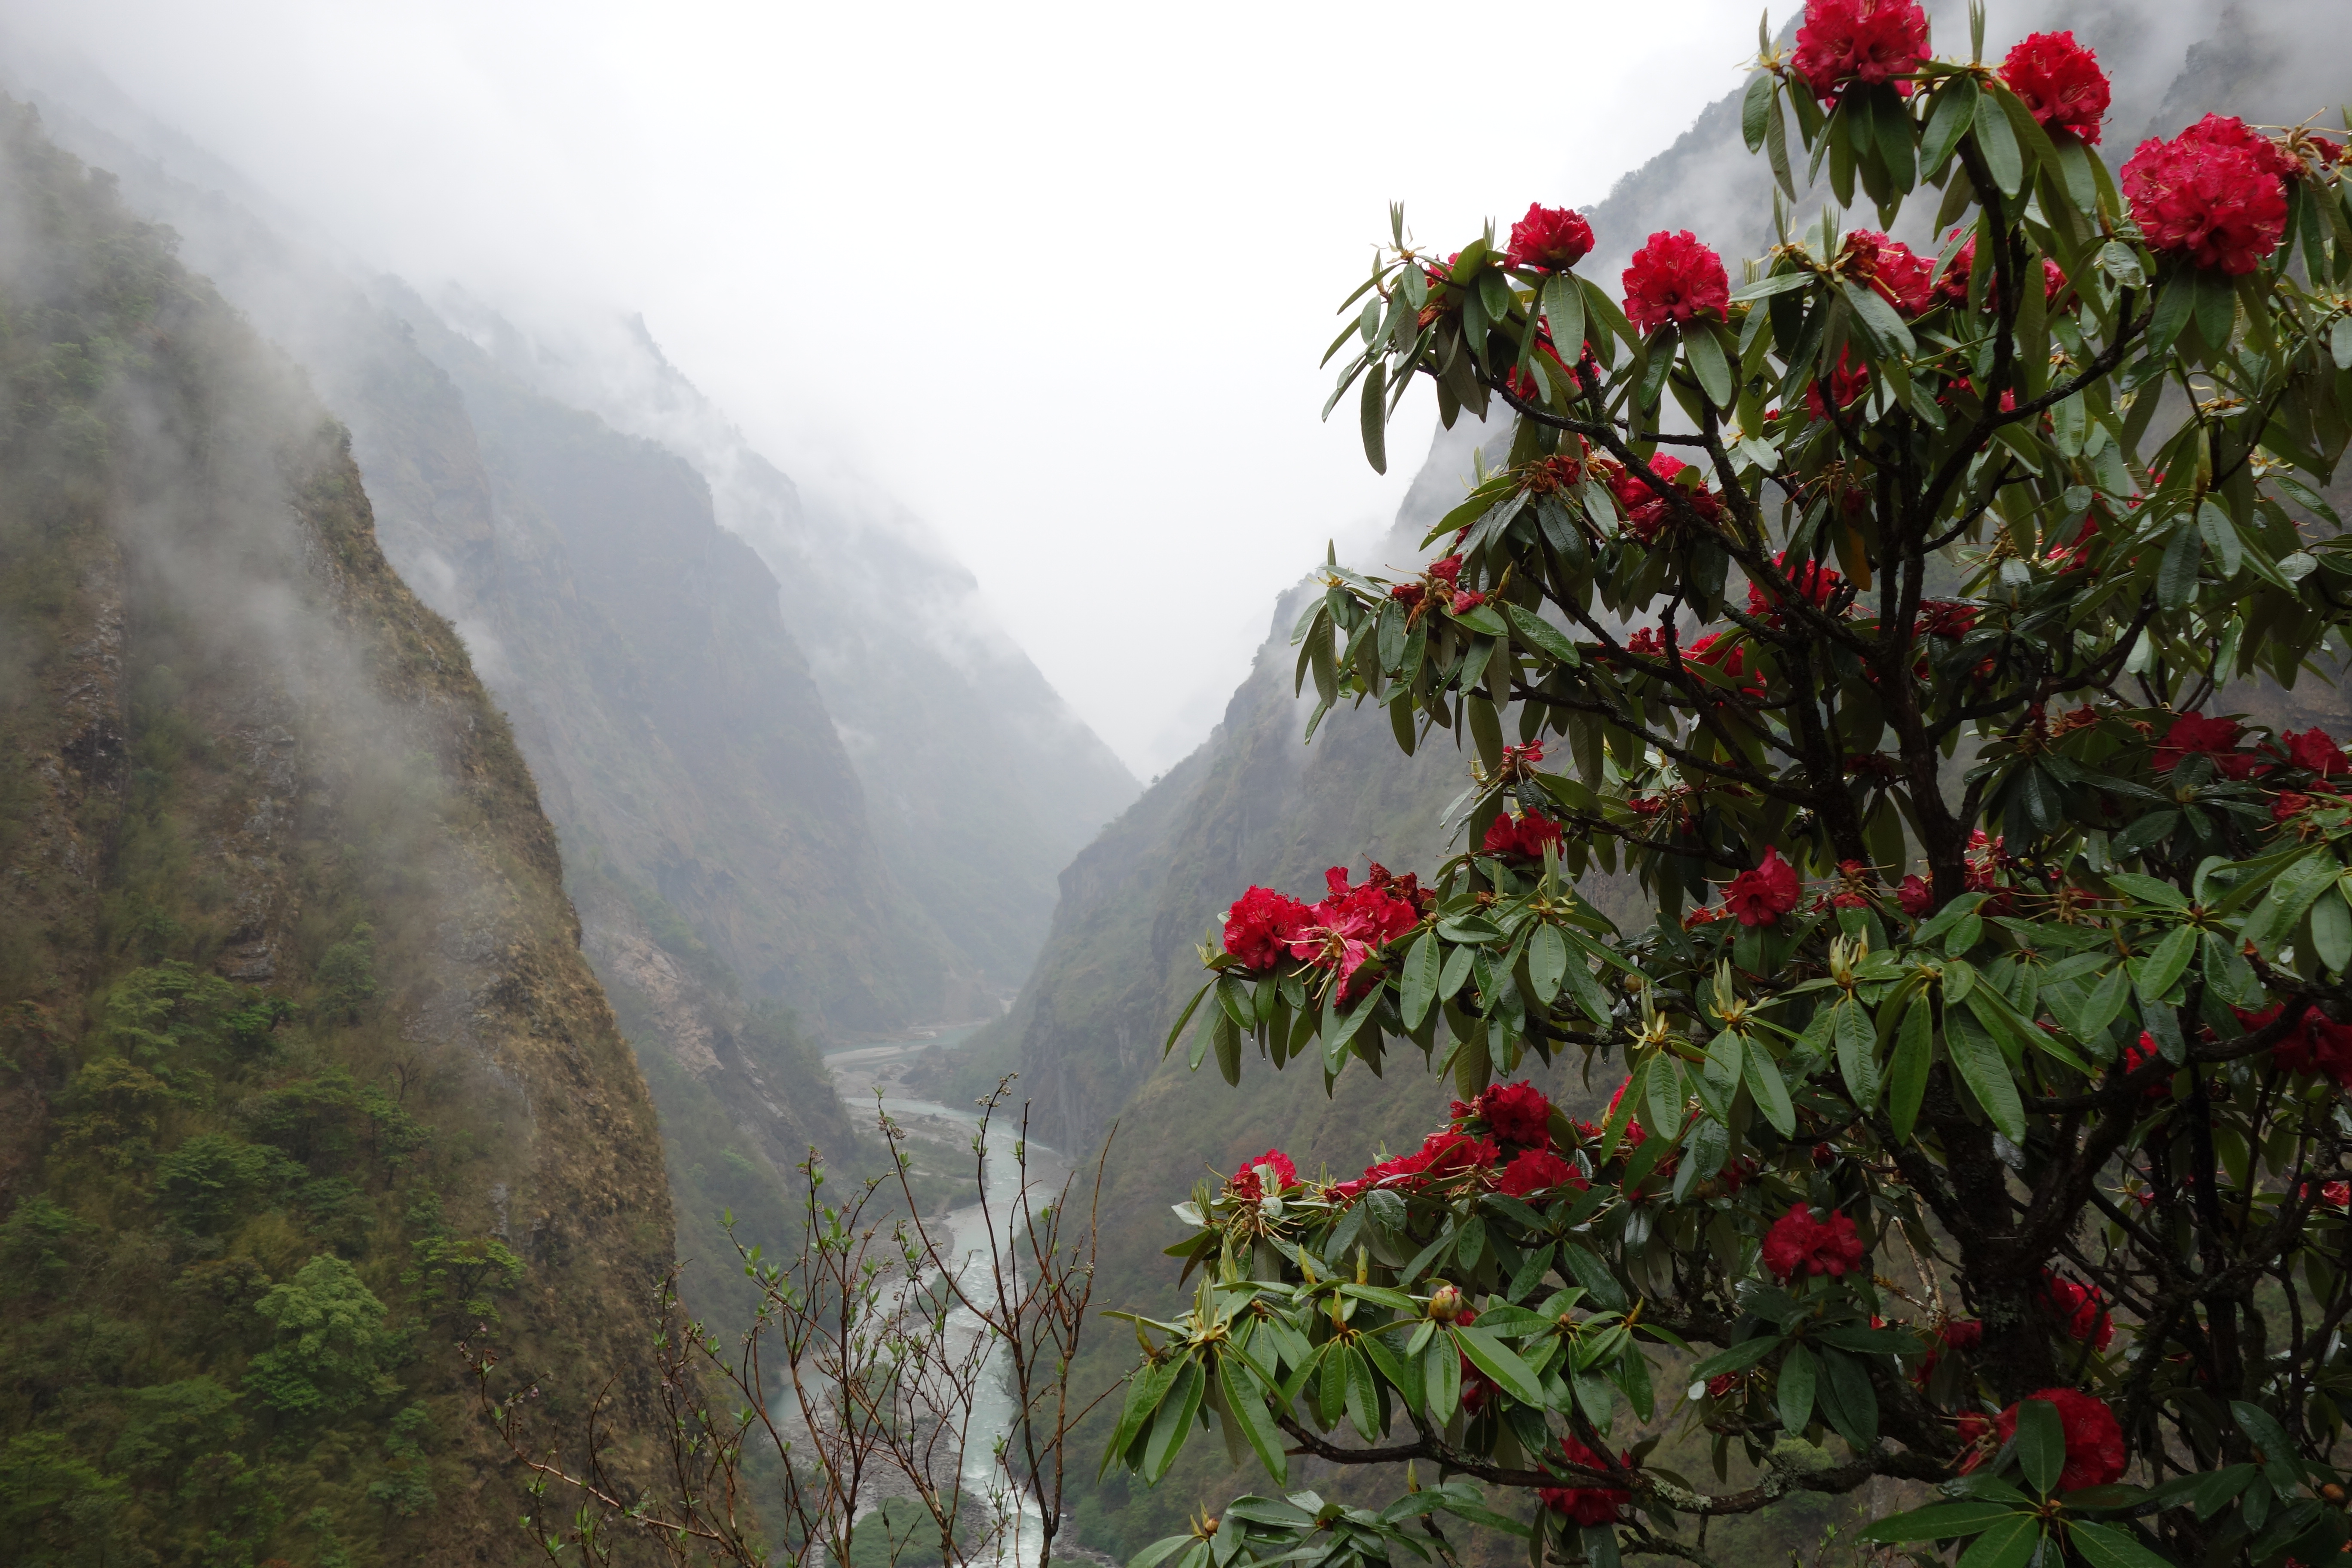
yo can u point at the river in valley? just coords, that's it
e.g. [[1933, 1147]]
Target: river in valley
[[857, 1072]]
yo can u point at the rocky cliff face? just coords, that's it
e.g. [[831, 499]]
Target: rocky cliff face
[[305, 1073], [978, 778]]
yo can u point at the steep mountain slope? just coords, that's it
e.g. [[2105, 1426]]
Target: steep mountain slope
[[305, 1073], [980, 780], [687, 761]]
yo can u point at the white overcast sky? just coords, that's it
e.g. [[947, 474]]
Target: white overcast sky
[[1055, 275]]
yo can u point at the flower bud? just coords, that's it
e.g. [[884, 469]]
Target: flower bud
[[2332, 1492], [1445, 1303]]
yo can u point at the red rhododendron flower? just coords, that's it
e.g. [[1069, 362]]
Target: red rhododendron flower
[[1340, 932], [1905, 278], [1798, 1244], [1946, 618], [1246, 1184], [2214, 194], [2232, 135], [1587, 1505], [1515, 1112], [1552, 239], [1720, 650], [1536, 1171], [1521, 838], [2195, 735], [1916, 895], [1858, 40], [2094, 1440], [1650, 519], [1848, 382], [1629, 486], [1953, 285], [2336, 1195], [2138, 1055], [2080, 1309], [1448, 571], [1959, 1334], [2318, 1044], [1674, 278], [2315, 749], [1765, 892], [2060, 81], [1260, 925], [1634, 1136], [1814, 581], [1442, 1154]]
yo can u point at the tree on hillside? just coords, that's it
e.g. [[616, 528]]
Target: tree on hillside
[[1888, 612]]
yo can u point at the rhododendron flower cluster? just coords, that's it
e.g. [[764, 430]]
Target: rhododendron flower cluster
[[2094, 1440], [1536, 1171], [1906, 278], [1946, 618], [1813, 582], [1952, 284], [2081, 1311], [2060, 81], [1248, 1185], [1799, 1246], [1587, 1505], [2315, 1044], [1338, 933], [1443, 1155], [1847, 382], [1521, 838], [2316, 749], [1674, 278], [1515, 1112], [2214, 194], [1764, 892], [1859, 40], [1551, 239], [2196, 736]]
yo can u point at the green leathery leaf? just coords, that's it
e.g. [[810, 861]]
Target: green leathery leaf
[[1563, 307], [2331, 930], [2164, 966], [1185, 1018], [1997, 139], [1942, 1521], [1498, 1362], [1248, 1402], [1363, 1394], [1955, 106], [1703, 352], [1173, 1423], [1739, 1358], [1540, 634], [1986, 1072], [1441, 1378], [1374, 417], [1852, 1405], [1420, 976], [2176, 579], [2041, 1444], [1227, 1040], [1857, 1050], [2009, 1544], [1771, 1089], [2220, 537], [1796, 1390], [1547, 961], [1908, 1077], [2107, 1546], [1755, 112]]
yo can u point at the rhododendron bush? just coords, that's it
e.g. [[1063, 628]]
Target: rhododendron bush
[[1891, 617]]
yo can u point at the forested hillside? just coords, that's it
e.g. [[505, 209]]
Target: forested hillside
[[305, 1075]]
